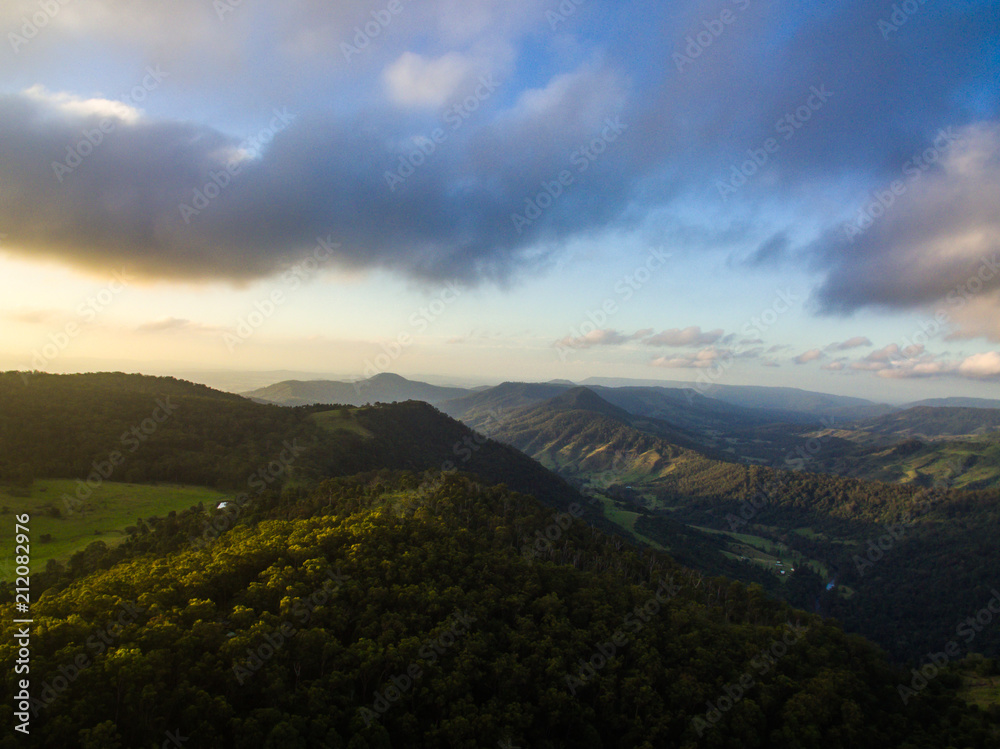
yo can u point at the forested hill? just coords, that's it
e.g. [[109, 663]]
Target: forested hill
[[578, 429], [378, 613], [932, 422], [171, 430], [383, 387]]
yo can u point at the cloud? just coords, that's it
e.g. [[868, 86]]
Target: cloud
[[937, 242], [973, 314], [72, 106], [176, 324], [981, 366], [35, 317], [808, 356], [894, 353], [834, 366], [705, 358], [855, 342], [690, 336], [913, 370], [416, 81], [597, 338], [913, 362], [680, 362], [321, 176]]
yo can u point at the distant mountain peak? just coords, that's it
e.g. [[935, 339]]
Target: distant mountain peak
[[388, 378], [584, 399]]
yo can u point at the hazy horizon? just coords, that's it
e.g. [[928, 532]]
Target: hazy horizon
[[245, 381]]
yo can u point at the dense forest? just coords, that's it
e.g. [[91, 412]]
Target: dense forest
[[416, 610]]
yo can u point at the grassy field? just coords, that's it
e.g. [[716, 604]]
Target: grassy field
[[104, 516], [340, 420], [766, 552], [980, 690], [626, 520]]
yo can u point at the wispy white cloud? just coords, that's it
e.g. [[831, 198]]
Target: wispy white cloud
[[690, 336], [808, 356]]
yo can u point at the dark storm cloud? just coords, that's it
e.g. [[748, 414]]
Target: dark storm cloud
[[887, 95], [894, 89], [168, 198], [935, 238]]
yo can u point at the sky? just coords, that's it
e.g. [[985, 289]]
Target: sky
[[733, 192]]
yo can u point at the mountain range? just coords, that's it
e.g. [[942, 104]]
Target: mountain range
[[790, 404]]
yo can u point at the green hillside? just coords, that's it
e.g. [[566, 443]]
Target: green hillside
[[65, 520], [946, 562]]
